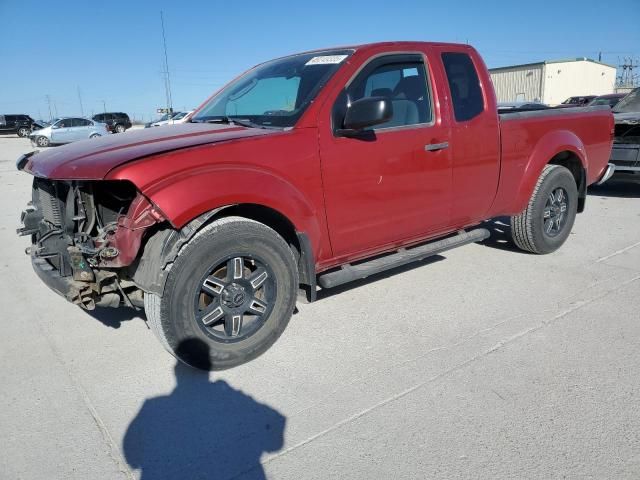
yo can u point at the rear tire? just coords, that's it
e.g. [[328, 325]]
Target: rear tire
[[95, 135], [210, 296], [547, 221]]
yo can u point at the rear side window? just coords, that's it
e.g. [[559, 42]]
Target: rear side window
[[464, 85]]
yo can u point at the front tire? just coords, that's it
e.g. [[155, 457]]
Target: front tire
[[42, 141], [547, 221], [120, 128], [23, 131], [234, 287], [95, 135]]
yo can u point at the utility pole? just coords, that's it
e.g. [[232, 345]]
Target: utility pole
[[104, 106], [167, 81], [80, 98], [48, 98]]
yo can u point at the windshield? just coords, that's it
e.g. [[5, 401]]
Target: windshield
[[630, 103], [275, 93]]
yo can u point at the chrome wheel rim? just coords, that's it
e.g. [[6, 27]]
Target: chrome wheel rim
[[555, 212], [234, 298]]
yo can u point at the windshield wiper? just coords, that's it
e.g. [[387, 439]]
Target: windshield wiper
[[234, 121]]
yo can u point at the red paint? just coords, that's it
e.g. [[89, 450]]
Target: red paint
[[352, 198]]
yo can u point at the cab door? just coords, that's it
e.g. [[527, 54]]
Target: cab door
[[392, 183]]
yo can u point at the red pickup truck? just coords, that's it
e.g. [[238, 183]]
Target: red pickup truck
[[306, 171]]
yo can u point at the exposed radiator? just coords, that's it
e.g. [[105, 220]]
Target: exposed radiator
[[49, 202]]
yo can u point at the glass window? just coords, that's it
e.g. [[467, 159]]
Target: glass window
[[81, 122], [3, 122], [276, 93], [65, 123], [464, 85], [400, 78]]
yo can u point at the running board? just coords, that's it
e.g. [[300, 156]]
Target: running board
[[349, 272]]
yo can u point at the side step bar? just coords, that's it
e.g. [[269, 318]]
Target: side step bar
[[349, 272]]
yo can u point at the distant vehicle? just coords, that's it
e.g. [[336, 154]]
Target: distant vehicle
[[67, 130], [612, 99], [626, 143], [178, 117], [117, 122], [579, 101], [521, 106], [17, 124]]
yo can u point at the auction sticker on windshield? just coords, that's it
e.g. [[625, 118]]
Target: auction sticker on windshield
[[326, 59]]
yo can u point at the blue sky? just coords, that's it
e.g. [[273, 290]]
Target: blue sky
[[112, 50]]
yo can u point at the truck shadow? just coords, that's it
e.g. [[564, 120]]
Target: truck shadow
[[500, 229], [202, 429], [329, 292], [618, 187], [114, 317]]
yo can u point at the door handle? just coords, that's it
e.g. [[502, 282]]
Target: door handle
[[434, 147]]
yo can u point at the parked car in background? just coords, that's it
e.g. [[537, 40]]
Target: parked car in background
[[626, 145], [17, 124], [38, 124], [116, 122], [314, 169], [579, 101], [612, 99], [178, 117], [67, 130]]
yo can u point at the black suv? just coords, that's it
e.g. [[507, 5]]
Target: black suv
[[20, 124], [117, 122]]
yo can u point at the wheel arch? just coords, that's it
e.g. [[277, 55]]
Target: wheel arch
[[164, 244], [560, 147]]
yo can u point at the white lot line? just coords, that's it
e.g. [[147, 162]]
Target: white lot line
[[618, 252]]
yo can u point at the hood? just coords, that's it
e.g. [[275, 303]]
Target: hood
[[92, 159], [630, 117]]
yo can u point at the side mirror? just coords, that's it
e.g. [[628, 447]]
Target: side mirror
[[365, 113], [55, 126]]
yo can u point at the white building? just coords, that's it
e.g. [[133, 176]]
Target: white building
[[553, 81]]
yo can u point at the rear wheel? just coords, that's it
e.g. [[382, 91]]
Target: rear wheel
[[547, 221], [23, 131], [95, 135], [234, 287]]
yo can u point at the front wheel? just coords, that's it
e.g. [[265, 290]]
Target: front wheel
[[42, 141], [95, 135], [120, 128], [23, 131], [234, 287], [547, 221]]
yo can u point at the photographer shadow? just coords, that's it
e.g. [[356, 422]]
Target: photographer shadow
[[202, 429]]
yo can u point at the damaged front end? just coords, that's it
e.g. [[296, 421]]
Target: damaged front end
[[84, 235]]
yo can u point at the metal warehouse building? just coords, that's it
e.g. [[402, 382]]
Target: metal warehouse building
[[553, 81]]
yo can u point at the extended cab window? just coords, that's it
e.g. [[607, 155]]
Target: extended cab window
[[464, 85], [400, 78]]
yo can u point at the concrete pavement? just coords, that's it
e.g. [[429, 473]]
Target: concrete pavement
[[482, 363]]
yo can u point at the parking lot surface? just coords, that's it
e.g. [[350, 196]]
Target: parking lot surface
[[484, 362]]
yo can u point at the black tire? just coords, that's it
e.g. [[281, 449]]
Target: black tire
[[173, 317], [119, 128], [42, 141], [548, 219], [23, 131], [95, 135]]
